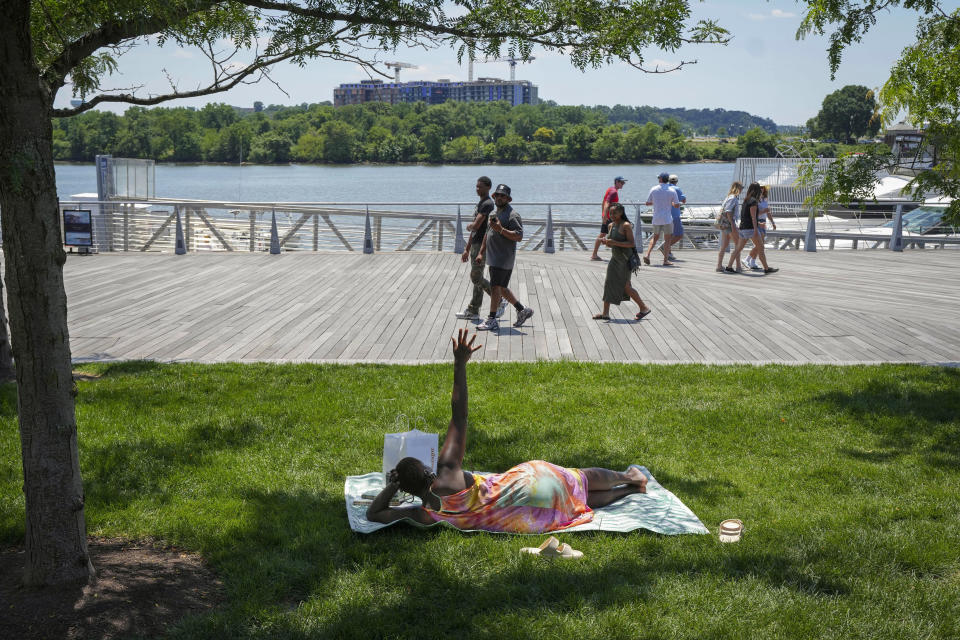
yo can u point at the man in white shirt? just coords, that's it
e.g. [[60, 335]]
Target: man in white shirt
[[663, 197]]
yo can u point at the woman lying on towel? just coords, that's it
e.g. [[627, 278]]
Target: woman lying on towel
[[532, 497]]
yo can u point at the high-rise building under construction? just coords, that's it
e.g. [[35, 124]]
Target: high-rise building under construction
[[482, 90]]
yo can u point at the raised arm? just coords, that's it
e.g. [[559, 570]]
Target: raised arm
[[381, 511], [454, 445]]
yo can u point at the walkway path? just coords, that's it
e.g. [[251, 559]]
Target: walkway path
[[828, 307]]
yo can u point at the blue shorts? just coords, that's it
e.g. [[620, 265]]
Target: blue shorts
[[763, 231], [746, 233], [677, 225]]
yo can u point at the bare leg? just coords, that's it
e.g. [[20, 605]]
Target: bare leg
[[653, 242], [724, 242], [635, 297], [597, 499], [596, 246], [761, 253], [735, 256], [605, 313], [599, 479], [512, 299], [667, 243], [495, 294]]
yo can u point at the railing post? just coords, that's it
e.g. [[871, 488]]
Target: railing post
[[458, 243], [126, 227], [274, 236], [253, 231], [638, 227], [439, 224], [180, 247], [367, 234], [186, 226], [896, 238], [378, 226], [810, 238], [548, 236], [316, 232]]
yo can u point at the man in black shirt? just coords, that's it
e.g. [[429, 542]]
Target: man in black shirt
[[478, 229]]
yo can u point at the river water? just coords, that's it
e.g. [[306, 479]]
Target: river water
[[370, 184]]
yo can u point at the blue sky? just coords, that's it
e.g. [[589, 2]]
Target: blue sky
[[764, 70]]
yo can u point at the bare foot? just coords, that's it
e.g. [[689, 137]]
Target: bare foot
[[637, 478]]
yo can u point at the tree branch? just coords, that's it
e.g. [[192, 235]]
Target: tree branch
[[114, 33], [220, 84], [435, 29]]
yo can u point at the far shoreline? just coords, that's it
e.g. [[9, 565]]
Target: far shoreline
[[159, 163]]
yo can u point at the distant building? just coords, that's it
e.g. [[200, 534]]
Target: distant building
[[482, 90]]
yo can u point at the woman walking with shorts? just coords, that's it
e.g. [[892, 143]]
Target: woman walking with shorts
[[728, 222], [749, 229], [763, 213], [616, 288]]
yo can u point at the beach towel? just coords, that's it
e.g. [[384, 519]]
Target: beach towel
[[657, 510]]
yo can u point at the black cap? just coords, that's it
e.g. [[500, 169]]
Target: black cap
[[502, 188]]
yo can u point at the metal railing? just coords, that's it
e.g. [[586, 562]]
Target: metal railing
[[150, 225]]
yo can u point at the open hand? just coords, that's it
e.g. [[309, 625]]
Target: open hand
[[465, 256], [463, 349]]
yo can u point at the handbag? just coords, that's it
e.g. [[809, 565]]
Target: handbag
[[634, 262], [413, 443], [722, 222]]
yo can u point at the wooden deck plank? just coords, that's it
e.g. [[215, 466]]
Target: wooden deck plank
[[839, 306]]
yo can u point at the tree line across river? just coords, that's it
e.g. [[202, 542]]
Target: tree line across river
[[452, 132]]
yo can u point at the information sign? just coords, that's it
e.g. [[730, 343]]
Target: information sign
[[77, 228]]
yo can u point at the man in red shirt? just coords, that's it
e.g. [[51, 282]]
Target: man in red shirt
[[609, 198]]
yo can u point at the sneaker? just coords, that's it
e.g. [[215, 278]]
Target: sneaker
[[771, 270], [490, 324], [671, 257], [502, 308], [467, 314], [523, 315], [755, 267]]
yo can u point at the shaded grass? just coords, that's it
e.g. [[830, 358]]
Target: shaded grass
[[846, 478]]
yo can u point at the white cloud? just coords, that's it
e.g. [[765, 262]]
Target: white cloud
[[774, 13]]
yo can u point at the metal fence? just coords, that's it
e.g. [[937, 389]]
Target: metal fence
[[151, 225]]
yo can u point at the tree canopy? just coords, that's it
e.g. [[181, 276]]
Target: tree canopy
[[375, 132], [846, 114], [924, 82]]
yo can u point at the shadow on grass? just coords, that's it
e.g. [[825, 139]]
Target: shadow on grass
[[711, 490], [131, 367], [298, 562], [915, 414], [8, 400], [124, 471]]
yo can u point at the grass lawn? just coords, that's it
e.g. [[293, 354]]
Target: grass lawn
[[847, 480]]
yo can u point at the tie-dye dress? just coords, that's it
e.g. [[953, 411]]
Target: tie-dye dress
[[532, 497]]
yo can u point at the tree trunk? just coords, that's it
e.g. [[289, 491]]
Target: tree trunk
[[55, 528]]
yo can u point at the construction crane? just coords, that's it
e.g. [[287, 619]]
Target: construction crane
[[513, 64], [396, 66]]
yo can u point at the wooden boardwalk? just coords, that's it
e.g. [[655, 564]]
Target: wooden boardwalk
[[827, 307]]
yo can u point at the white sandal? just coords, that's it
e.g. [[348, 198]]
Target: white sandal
[[553, 548]]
